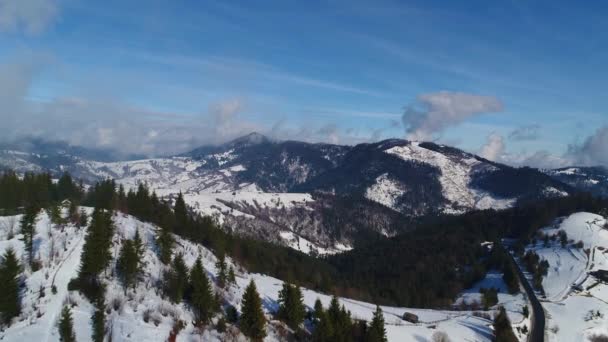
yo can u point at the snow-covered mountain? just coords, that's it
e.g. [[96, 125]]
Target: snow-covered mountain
[[143, 314], [318, 198], [590, 179]]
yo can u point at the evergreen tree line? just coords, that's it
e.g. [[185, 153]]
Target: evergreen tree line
[[36, 190], [436, 261]]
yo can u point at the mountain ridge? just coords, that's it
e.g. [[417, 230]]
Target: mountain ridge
[[280, 191]]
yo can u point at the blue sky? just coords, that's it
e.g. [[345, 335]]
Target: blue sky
[[510, 78]]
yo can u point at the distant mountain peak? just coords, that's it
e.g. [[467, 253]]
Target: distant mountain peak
[[252, 138]]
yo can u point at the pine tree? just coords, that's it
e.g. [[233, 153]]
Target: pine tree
[[340, 321], [318, 311], [165, 245], [291, 305], [73, 215], [10, 270], [96, 253], [222, 272], [502, 327], [138, 245], [177, 279], [231, 276], [66, 326], [127, 264], [54, 213], [28, 229], [99, 322], [252, 320], [324, 330], [181, 214], [83, 218], [202, 299], [376, 331]]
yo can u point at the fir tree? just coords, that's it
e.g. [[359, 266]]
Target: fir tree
[[317, 311], [181, 214], [28, 229], [66, 326], [176, 279], [502, 327], [10, 270], [339, 320], [324, 330], [231, 276], [376, 331], [96, 253], [291, 306], [98, 320], [127, 264], [252, 320], [222, 272], [138, 245], [83, 218], [73, 215], [54, 212], [165, 245], [202, 299]]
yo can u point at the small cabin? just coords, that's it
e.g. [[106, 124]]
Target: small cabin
[[410, 317]]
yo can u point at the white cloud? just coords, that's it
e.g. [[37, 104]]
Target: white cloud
[[494, 148], [29, 16], [109, 122], [593, 151], [434, 112]]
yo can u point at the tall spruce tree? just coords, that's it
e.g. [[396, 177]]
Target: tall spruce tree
[[340, 321], [98, 321], [138, 244], [502, 327], [201, 296], [323, 330], [291, 305], [96, 253], [376, 331], [66, 326], [28, 229], [177, 279], [231, 275], [127, 264], [181, 214], [165, 244], [10, 305], [222, 271], [317, 311], [252, 320]]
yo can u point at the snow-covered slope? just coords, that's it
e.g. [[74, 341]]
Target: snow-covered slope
[[455, 177], [591, 179], [574, 296], [59, 249]]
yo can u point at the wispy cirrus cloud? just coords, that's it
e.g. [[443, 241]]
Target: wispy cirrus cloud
[[251, 69], [525, 133]]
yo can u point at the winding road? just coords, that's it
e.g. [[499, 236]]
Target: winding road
[[537, 321]]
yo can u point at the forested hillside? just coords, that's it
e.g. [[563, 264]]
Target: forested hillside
[[426, 267]]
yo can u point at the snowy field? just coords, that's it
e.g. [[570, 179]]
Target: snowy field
[[576, 302], [60, 248]]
